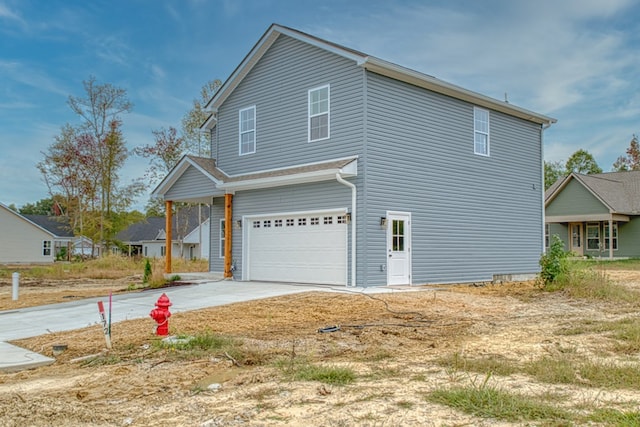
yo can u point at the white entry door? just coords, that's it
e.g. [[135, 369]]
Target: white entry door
[[398, 248]]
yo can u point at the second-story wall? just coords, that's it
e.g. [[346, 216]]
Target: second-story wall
[[278, 87]]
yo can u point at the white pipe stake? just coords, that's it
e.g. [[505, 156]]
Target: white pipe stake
[[16, 284]]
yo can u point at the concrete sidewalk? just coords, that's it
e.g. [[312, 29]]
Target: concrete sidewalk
[[202, 293]]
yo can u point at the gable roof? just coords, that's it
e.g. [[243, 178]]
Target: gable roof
[[26, 220], [57, 225], [618, 191], [368, 62], [223, 183]]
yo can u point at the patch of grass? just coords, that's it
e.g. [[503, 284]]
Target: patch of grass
[[334, 375], [626, 331], [382, 372], [592, 283], [207, 343], [109, 359], [486, 401], [301, 370], [613, 417], [560, 370], [496, 365], [564, 370]]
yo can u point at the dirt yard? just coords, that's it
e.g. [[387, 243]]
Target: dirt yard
[[394, 344]]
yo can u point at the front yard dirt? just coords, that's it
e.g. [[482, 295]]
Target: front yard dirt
[[394, 344]]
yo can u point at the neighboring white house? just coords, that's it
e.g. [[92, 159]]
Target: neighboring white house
[[148, 237], [24, 241]]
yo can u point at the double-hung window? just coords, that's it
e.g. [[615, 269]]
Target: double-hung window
[[319, 113], [593, 236], [46, 248], [547, 236], [222, 235], [248, 130], [480, 131], [615, 236]]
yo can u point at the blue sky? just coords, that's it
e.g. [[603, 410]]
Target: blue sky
[[575, 60]]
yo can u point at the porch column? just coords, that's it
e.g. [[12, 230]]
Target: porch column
[[228, 225], [168, 239], [610, 238]]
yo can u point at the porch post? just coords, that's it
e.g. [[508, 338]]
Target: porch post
[[168, 239], [610, 238], [228, 198]]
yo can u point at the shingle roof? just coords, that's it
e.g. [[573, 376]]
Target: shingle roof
[[57, 225], [619, 191], [152, 228]]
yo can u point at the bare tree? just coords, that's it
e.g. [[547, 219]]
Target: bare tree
[[195, 141]]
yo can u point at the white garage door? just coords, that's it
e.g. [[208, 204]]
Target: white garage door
[[303, 248]]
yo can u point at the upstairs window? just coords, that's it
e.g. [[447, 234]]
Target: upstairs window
[[480, 131], [319, 113], [248, 130]]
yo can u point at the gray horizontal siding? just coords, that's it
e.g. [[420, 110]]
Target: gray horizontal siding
[[191, 184], [472, 216], [278, 86]]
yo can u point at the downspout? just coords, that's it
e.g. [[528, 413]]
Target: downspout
[[342, 181], [544, 127]]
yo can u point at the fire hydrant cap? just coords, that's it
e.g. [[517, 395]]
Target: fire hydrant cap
[[163, 301]]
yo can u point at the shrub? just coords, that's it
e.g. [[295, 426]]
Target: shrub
[[553, 263], [147, 271]]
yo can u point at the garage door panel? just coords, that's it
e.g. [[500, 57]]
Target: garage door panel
[[299, 248]]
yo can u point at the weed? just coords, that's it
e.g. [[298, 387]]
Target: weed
[[496, 365], [301, 370], [487, 401], [615, 417]]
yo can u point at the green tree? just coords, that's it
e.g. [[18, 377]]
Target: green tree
[[582, 162], [552, 172], [41, 207], [196, 142], [631, 161]]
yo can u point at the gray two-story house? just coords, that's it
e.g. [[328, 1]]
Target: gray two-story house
[[332, 166]]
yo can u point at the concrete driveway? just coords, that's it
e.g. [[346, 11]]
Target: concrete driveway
[[205, 291]]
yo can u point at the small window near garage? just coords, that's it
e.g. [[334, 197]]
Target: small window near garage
[[266, 223], [593, 236], [302, 222], [615, 236], [290, 222], [248, 130], [222, 234], [256, 224], [480, 131], [328, 220], [319, 113], [46, 248], [547, 237], [341, 219], [277, 223], [314, 220]]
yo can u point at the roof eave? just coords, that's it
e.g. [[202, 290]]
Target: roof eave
[[416, 78], [347, 171]]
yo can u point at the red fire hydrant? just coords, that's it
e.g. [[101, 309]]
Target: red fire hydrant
[[161, 315]]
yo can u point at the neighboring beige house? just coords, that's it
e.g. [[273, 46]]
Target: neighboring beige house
[[23, 241]]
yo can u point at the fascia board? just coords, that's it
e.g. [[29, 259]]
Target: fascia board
[[416, 78], [279, 181], [177, 172]]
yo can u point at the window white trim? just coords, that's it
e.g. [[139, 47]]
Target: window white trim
[[481, 134], [547, 236], [221, 238], [247, 131], [46, 248], [605, 226], [320, 113], [593, 236]]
